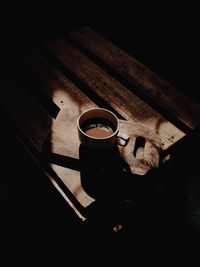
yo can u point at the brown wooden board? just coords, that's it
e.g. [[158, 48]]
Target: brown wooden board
[[35, 68], [62, 138], [114, 93], [35, 124], [174, 101], [62, 77]]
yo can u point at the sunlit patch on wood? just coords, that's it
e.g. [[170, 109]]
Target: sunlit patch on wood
[[117, 228]]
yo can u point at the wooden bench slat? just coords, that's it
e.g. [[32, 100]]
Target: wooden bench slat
[[43, 165], [72, 180], [118, 96], [50, 80], [36, 124], [170, 98], [72, 102]]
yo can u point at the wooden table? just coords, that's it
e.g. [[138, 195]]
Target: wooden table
[[46, 88]]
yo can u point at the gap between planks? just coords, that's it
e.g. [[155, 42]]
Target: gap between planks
[[118, 96], [174, 101]]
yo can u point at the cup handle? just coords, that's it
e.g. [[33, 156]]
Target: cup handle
[[122, 139]]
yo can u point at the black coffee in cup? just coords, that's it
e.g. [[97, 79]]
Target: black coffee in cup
[[98, 127]]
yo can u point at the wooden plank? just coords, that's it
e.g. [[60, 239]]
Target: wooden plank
[[36, 124], [63, 138], [51, 81], [184, 108], [64, 141], [42, 165], [118, 96], [72, 103], [62, 91]]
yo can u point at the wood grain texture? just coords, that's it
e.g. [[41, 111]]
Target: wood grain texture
[[71, 101], [63, 139], [47, 78], [58, 136], [118, 96], [146, 157], [35, 124], [62, 135], [170, 98]]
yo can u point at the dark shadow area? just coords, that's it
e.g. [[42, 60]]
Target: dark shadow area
[[65, 161], [163, 38], [79, 83], [38, 228], [36, 91], [104, 174], [159, 213], [155, 105], [140, 142]]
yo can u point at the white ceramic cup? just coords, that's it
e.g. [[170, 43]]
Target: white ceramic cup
[[100, 142]]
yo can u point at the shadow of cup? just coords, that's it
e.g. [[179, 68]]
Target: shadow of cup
[[103, 172]]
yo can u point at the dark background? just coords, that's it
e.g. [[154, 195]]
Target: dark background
[[163, 37], [37, 227]]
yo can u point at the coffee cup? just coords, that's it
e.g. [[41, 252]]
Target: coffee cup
[[98, 128]]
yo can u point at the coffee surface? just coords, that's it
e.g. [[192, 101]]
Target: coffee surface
[[98, 127]]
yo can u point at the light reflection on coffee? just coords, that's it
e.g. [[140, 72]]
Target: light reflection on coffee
[[98, 127]]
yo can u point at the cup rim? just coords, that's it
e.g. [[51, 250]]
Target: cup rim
[[97, 138]]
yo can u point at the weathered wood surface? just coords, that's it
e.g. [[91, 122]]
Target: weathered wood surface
[[46, 77], [118, 96], [146, 157], [166, 95], [139, 164], [72, 102], [35, 124], [41, 80]]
